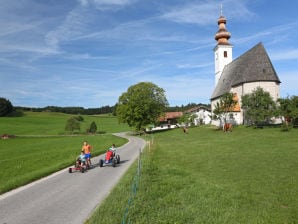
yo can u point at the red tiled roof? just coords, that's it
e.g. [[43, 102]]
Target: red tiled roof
[[170, 115]]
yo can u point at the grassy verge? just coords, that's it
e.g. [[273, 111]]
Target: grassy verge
[[207, 176], [24, 159]]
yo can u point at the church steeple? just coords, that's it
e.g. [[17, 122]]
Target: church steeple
[[223, 49]]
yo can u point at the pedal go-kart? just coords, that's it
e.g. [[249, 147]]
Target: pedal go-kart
[[110, 159], [78, 167]]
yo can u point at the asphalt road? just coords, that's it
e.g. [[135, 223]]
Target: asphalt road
[[66, 197]]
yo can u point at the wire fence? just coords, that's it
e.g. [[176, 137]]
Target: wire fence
[[134, 189]]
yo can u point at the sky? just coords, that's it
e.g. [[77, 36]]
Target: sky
[[88, 52]]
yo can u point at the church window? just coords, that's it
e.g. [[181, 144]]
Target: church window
[[225, 54]]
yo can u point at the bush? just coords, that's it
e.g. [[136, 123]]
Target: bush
[[72, 124], [5, 107], [93, 128]]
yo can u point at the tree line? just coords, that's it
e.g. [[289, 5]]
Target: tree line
[[71, 110], [6, 108]]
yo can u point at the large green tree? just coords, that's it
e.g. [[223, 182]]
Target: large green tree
[[5, 107], [259, 106], [142, 104]]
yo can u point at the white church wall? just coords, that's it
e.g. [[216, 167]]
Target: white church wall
[[248, 88], [271, 87]]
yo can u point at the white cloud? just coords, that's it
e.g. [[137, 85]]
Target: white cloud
[[195, 65], [275, 32], [69, 29], [105, 5], [204, 13], [285, 54]]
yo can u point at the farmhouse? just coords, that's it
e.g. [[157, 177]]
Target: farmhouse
[[170, 118], [240, 76], [203, 114]]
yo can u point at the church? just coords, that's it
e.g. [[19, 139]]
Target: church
[[242, 75]]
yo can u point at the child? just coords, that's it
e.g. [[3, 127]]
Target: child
[[81, 160], [86, 148], [109, 155], [113, 149]]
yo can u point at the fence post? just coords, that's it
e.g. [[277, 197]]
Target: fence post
[[134, 190]]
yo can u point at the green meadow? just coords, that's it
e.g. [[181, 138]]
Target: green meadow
[[49, 123], [207, 176], [42, 147]]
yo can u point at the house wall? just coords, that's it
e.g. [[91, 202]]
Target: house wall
[[204, 115]]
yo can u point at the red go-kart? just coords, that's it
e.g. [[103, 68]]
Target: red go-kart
[[110, 159], [79, 166]]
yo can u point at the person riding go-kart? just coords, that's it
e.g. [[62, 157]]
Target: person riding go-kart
[[86, 148], [80, 164], [110, 158]]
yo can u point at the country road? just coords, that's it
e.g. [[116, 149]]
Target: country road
[[67, 197]]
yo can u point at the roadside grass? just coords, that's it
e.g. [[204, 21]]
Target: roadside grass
[[42, 147], [25, 159], [207, 176]]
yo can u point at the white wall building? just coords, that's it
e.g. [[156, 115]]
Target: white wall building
[[203, 115], [243, 75]]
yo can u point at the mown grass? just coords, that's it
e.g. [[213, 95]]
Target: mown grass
[[24, 159], [49, 123], [40, 149], [207, 176]]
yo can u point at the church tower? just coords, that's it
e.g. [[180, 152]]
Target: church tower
[[223, 49]]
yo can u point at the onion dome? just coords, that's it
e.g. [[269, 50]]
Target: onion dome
[[222, 36]]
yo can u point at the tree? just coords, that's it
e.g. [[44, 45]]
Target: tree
[[224, 106], [72, 124], [141, 105], [187, 119], [93, 128], [259, 106], [288, 108], [5, 107]]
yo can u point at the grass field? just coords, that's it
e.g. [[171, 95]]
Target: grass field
[[207, 176], [49, 123], [40, 148]]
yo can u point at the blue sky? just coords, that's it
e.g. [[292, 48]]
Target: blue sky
[[88, 52]]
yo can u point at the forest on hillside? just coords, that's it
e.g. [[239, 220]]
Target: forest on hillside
[[101, 110]]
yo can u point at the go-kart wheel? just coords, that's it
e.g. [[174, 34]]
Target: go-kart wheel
[[114, 161], [82, 169], [118, 159], [70, 170], [100, 163]]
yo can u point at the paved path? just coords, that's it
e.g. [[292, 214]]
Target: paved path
[[62, 197]]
